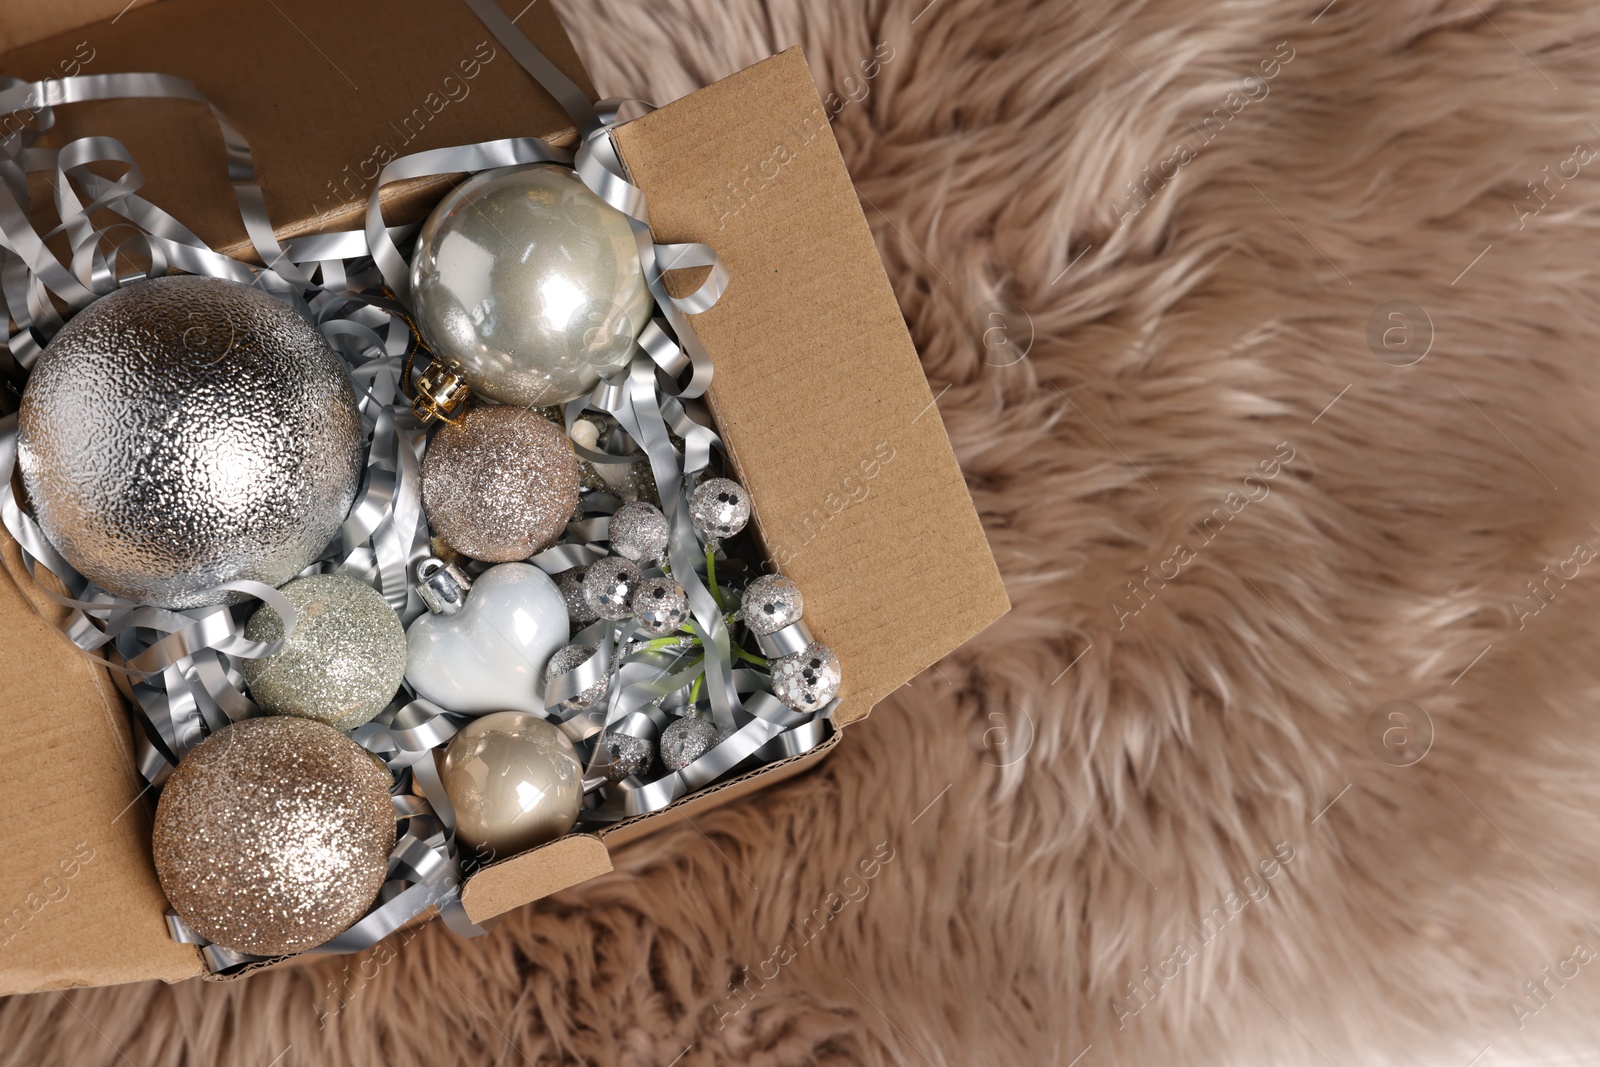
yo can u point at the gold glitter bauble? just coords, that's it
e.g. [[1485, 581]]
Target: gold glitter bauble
[[501, 485], [273, 835]]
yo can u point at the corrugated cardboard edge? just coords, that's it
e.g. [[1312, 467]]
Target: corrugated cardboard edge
[[79, 900]]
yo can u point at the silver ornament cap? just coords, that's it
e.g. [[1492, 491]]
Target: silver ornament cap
[[183, 432], [719, 508], [531, 282]]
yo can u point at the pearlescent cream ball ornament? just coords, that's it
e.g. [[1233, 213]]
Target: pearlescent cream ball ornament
[[532, 283], [770, 603], [501, 485], [719, 508], [344, 660], [515, 780], [638, 531], [273, 835], [808, 679], [183, 432]]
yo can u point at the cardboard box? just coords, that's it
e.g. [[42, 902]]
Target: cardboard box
[[856, 493]]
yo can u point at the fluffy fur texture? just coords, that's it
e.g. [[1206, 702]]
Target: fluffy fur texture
[[1089, 790]]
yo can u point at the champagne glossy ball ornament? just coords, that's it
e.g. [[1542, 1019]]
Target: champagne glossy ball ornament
[[183, 432], [273, 835], [719, 507], [501, 485], [344, 660], [515, 780], [532, 283]]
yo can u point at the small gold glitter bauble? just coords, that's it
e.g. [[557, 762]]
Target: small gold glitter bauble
[[515, 780], [500, 485], [273, 835], [344, 660]]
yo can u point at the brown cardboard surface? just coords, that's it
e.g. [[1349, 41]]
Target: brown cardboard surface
[[22, 24], [322, 89], [550, 868], [818, 393], [79, 901]]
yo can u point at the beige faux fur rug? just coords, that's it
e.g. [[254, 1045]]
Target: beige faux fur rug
[[1266, 334]]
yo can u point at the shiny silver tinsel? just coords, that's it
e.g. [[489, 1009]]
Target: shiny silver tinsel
[[770, 603], [569, 658], [183, 432], [609, 585], [719, 508], [807, 680], [660, 605]]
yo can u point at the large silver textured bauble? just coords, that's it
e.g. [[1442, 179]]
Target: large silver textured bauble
[[344, 660], [770, 603], [808, 679], [531, 282], [515, 780], [273, 835], [500, 485], [184, 432], [719, 507]]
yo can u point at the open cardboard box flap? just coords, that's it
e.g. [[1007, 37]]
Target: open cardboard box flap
[[818, 395]]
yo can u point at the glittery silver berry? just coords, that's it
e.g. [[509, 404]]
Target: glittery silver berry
[[660, 605], [609, 585], [629, 756], [719, 508], [578, 609], [638, 532], [686, 740], [771, 602], [569, 658], [808, 679]]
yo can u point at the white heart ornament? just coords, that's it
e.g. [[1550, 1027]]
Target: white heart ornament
[[488, 656]]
